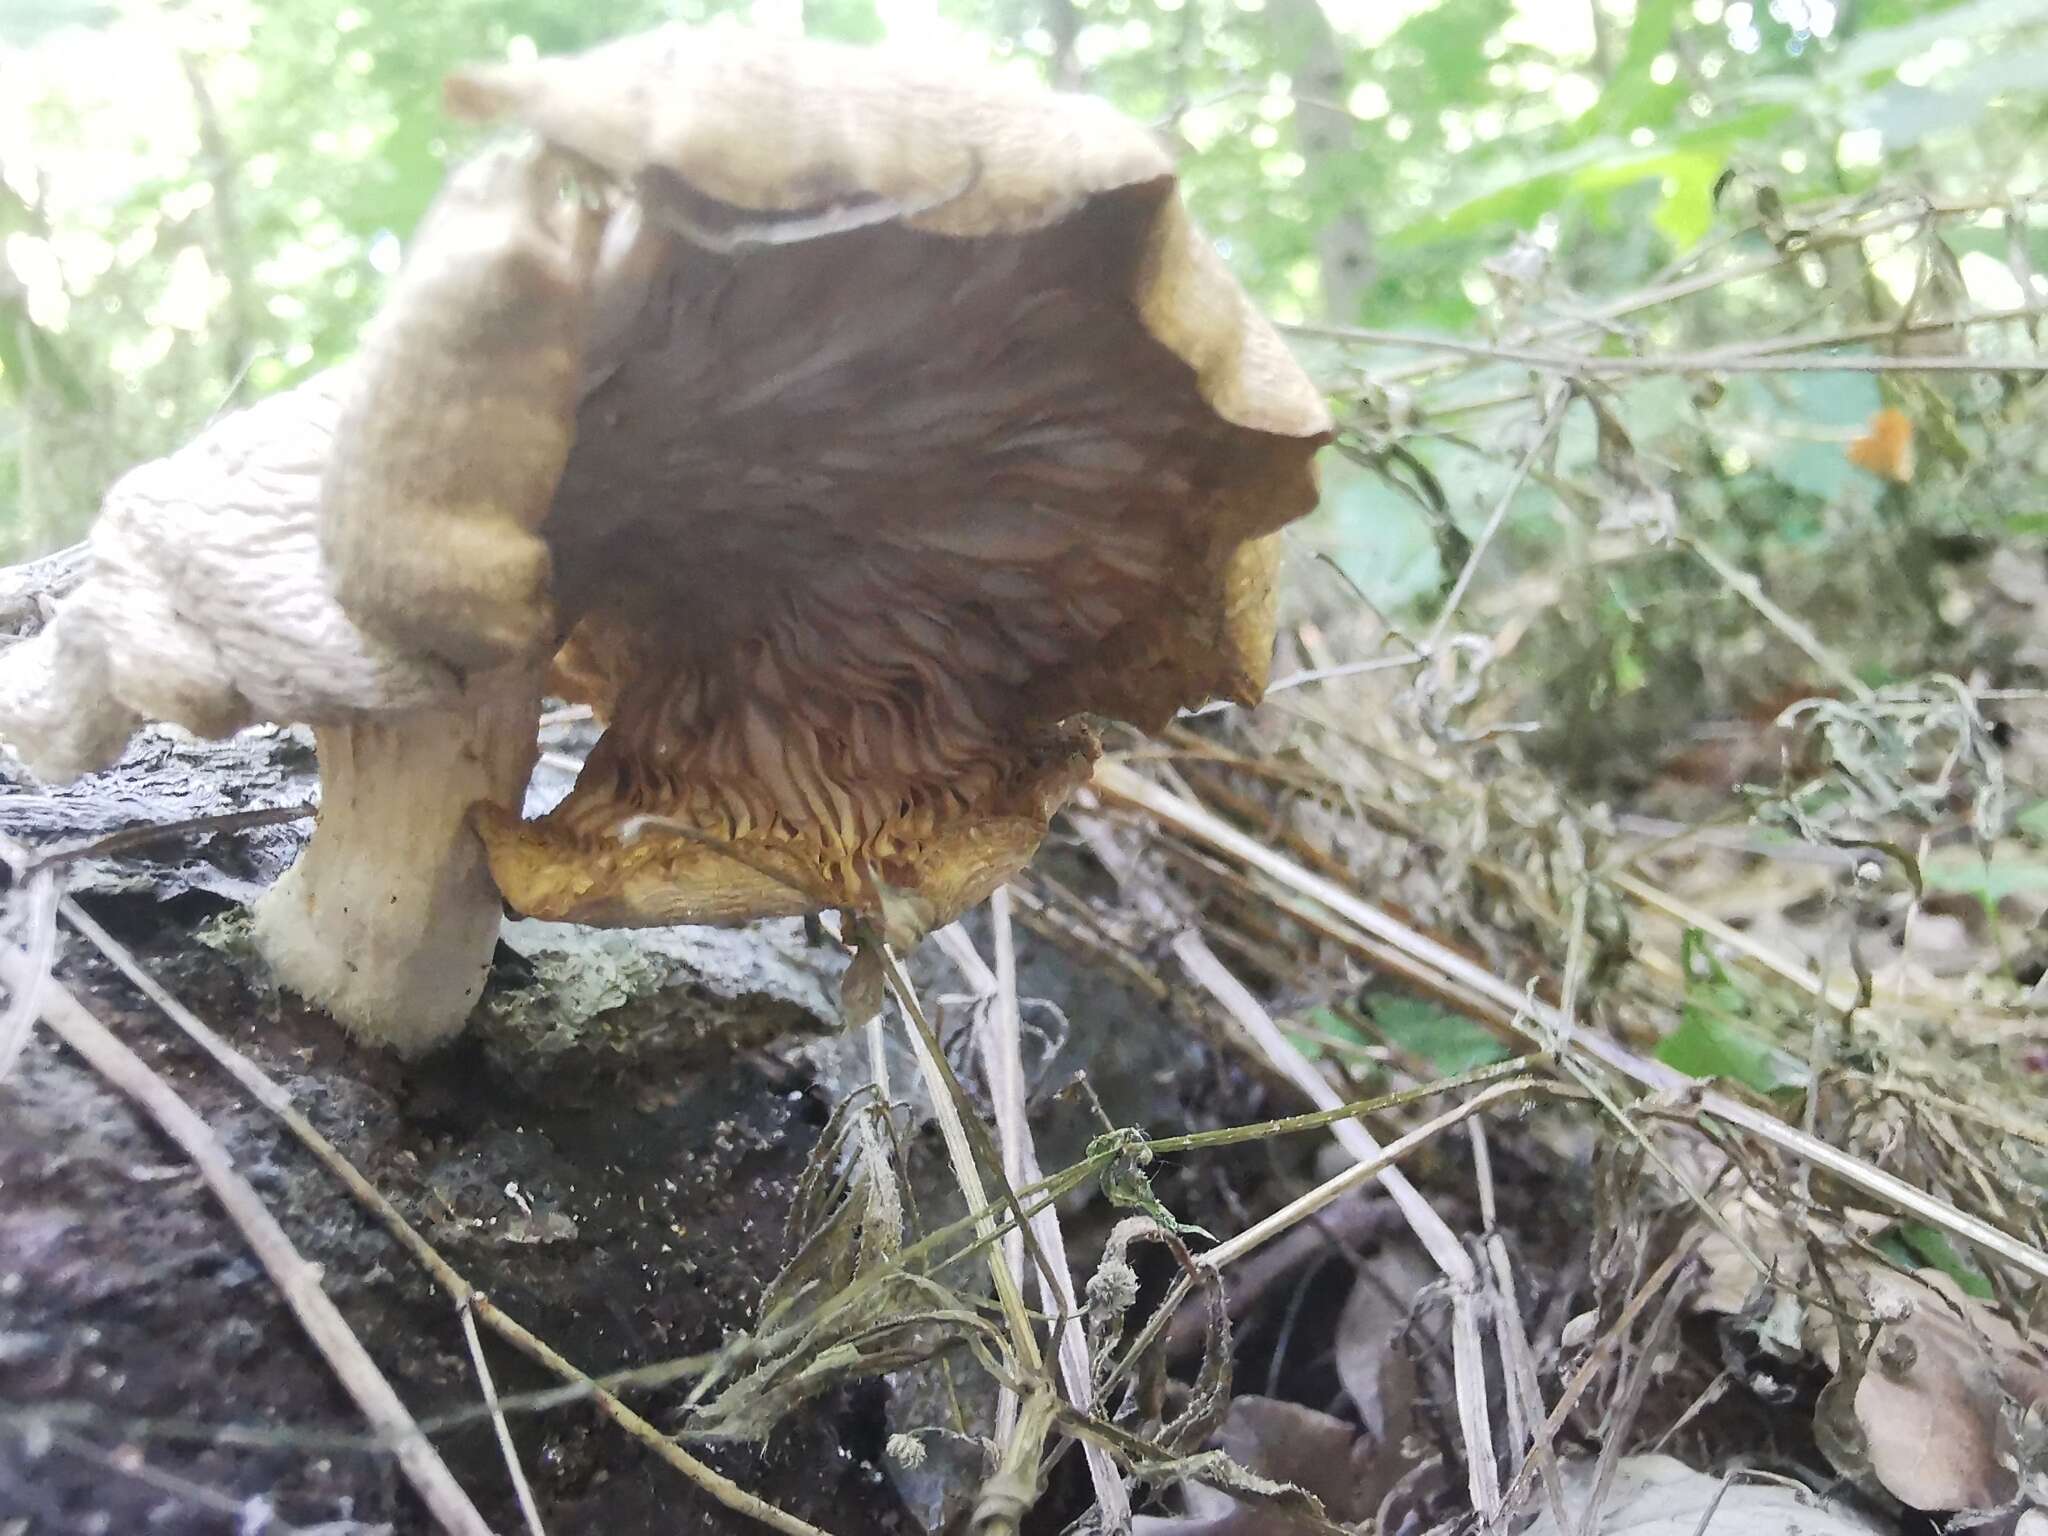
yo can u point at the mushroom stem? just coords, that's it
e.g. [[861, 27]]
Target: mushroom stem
[[389, 918]]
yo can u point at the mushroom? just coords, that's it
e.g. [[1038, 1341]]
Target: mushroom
[[913, 425], [213, 602], [953, 431]]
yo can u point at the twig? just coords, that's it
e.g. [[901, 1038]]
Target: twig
[[274, 1098], [1299, 1209], [1622, 1417], [1662, 832], [1587, 365], [252, 1513], [1295, 680], [466, 1310], [1552, 419], [1532, 1017], [1744, 944], [1736, 352], [34, 900], [1596, 1358], [1751, 591], [953, 1131], [161, 831], [1343, 1228], [296, 1280], [1517, 1359]]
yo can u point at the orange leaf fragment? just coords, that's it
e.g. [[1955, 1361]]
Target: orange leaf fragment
[[1887, 449]]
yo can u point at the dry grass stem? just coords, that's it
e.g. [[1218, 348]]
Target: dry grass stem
[[1751, 591], [521, 1490], [1553, 418], [1518, 1360], [1000, 1033], [1303, 1206], [1596, 1359], [945, 1095], [126, 839]]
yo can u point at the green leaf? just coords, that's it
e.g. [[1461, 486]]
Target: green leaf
[[1631, 87], [1711, 1040], [1809, 416], [1990, 882], [24, 23], [1449, 1042], [1933, 1247], [1378, 537], [1706, 1045], [2033, 821], [1887, 48], [1602, 165], [1685, 214], [31, 358]]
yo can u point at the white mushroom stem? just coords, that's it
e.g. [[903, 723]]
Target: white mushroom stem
[[389, 918]]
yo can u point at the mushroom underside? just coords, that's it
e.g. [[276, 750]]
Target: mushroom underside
[[845, 576]]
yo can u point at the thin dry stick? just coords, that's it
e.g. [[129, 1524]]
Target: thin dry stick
[[272, 1097], [34, 903], [1001, 1041], [141, 836], [1517, 1359], [1445, 1251], [1856, 227], [1299, 1209], [1589, 366], [1295, 680], [296, 1280], [1805, 341], [1553, 417], [466, 1310], [1013, 1132], [1119, 783], [1596, 1359], [1271, 1044], [252, 1513], [1621, 1418], [1505, 1315], [1742, 943], [1751, 591]]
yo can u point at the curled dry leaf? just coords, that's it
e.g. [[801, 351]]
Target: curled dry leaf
[[1942, 1385], [1282, 1443], [1939, 1393], [1375, 1370]]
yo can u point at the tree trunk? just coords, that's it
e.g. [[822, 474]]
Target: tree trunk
[[1308, 47]]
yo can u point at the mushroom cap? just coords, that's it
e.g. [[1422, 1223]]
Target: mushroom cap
[[919, 425]]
